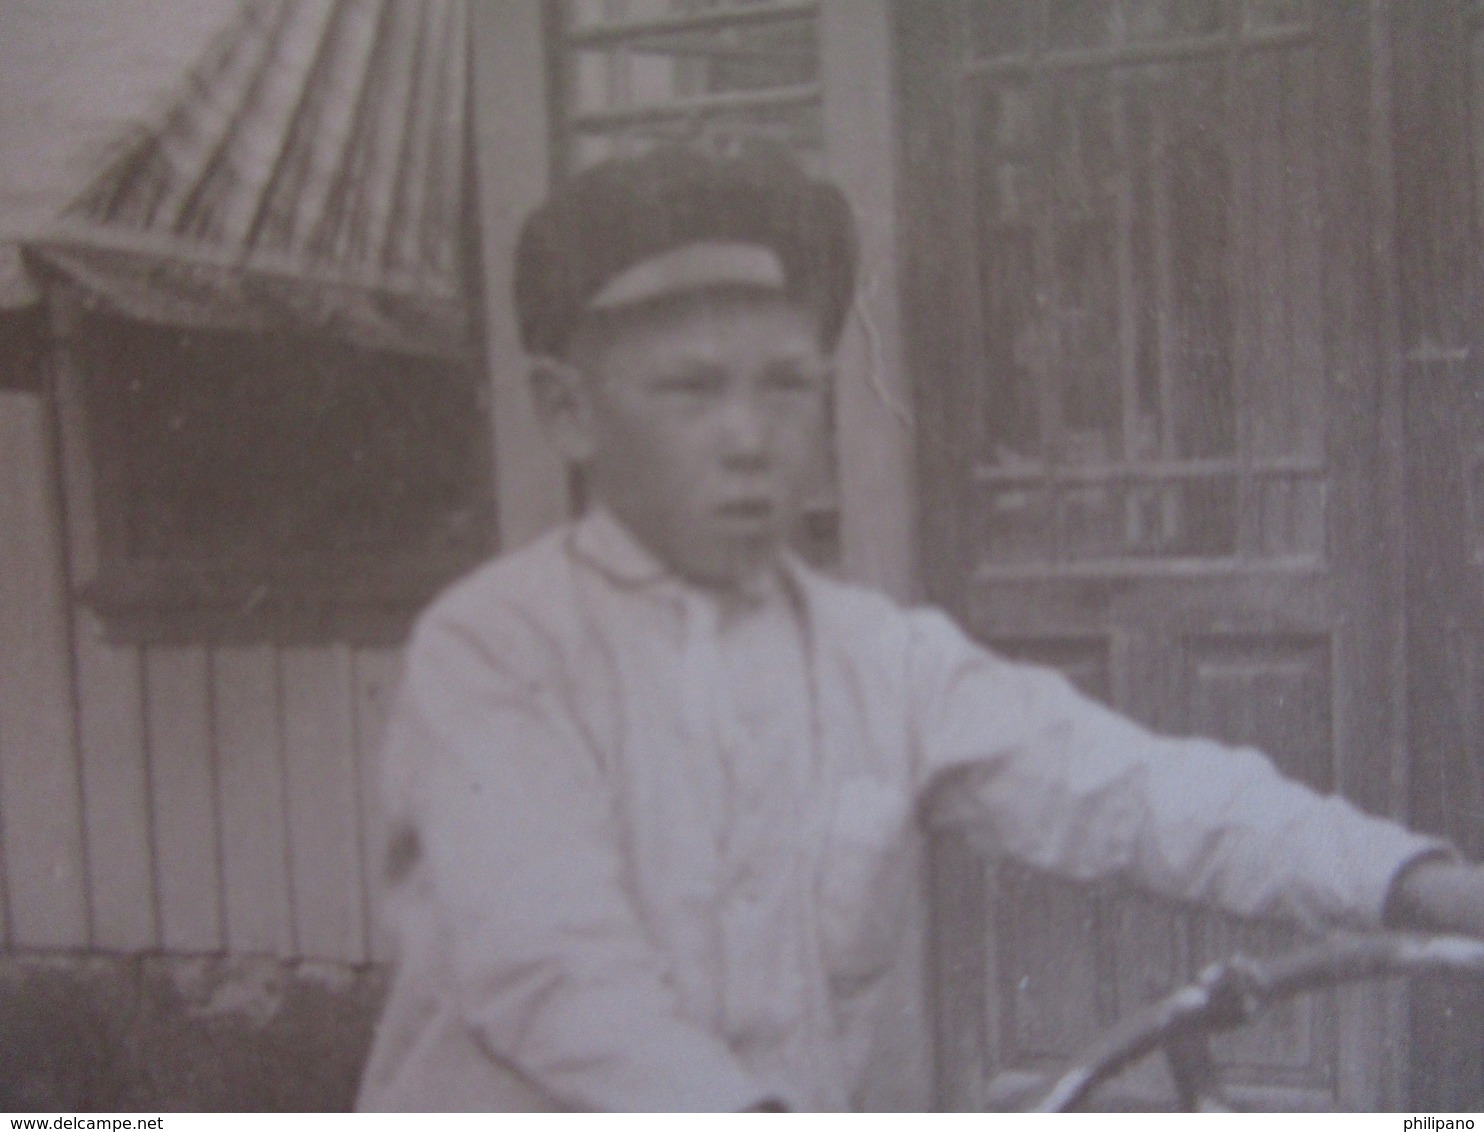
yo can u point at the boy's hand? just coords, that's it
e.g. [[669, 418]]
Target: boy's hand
[[1442, 896]]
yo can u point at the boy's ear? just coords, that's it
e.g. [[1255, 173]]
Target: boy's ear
[[564, 407]]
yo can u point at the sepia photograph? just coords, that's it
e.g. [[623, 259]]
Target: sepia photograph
[[741, 556]]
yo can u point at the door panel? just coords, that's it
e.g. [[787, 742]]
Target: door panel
[[1134, 226], [1270, 692]]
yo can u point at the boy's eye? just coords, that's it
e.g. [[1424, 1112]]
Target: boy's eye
[[794, 382]]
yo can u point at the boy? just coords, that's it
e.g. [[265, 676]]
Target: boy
[[654, 783]]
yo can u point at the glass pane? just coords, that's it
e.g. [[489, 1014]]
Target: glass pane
[[800, 127], [651, 68], [1000, 28], [1015, 345], [1085, 24], [1007, 28], [1079, 23], [1474, 486], [1267, 15], [1165, 519], [1276, 268], [1019, 525], [1205, 518], [1188, 262], [581, 14], [1172, 19], [1476, 108], [630, 86], [1291, 516], [584, 15], [1121, 517]]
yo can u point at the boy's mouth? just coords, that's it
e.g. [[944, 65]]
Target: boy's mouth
[[751, 510]]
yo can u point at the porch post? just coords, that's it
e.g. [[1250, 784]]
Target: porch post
[[511, 141], [873, 405]]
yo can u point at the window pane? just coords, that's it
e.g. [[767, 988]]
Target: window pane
[[1103, 264], [653, 68], [1084, 24], [1267, 15], [1000, 27], [1079, 23]]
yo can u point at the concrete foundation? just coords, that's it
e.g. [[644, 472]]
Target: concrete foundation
[[88, 1033]]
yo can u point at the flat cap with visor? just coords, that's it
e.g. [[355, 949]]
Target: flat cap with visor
[[677, 219]]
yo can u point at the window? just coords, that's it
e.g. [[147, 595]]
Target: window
[[1122, 412], [255, 484]]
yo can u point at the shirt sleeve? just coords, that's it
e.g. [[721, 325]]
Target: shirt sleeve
[[520, 857], [1034, 770]]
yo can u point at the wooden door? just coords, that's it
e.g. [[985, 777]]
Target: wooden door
[[1147, 346]]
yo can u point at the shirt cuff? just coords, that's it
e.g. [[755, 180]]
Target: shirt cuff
[[1397, 910]]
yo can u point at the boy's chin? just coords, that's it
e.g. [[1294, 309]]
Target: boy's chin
[[732, 559]]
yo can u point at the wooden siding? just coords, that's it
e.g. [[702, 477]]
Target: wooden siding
[[46, 899], [181, 798]]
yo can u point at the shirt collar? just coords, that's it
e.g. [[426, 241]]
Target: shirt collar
[[606, 544]]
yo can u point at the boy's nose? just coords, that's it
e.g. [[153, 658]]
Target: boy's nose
[[744, 430]]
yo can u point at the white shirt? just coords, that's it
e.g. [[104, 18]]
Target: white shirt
[[661, 854]]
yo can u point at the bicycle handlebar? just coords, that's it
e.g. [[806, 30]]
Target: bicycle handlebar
[[1233, 992]]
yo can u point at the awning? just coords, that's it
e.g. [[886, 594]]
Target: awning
[[312, 175]]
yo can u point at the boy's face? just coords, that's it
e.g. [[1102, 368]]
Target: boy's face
[[701, 414]]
